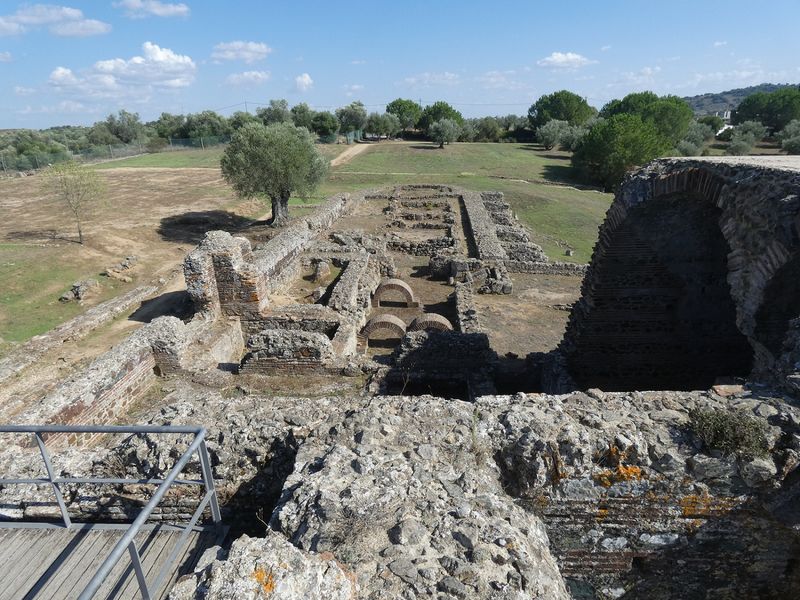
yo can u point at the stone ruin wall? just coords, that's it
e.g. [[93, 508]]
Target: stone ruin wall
[[756, 209]]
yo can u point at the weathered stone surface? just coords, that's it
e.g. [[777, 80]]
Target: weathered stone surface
[[407, 495], [268, 567]]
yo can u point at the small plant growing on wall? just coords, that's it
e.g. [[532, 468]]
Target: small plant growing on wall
[[730, 432]]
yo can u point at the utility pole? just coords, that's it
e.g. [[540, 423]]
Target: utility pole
[[245, 107]]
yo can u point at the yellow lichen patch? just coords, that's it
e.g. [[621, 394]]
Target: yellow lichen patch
[[608, 477], [602, 513], [706, 505], [265, 579]]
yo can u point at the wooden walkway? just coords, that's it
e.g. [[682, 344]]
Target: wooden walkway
[[56, 564]]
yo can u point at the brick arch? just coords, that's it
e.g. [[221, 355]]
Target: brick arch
[[430, 321], [394, 285], [384, 322]]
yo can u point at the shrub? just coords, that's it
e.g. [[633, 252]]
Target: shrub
[[688, 148], [791, 145], [730, 432]]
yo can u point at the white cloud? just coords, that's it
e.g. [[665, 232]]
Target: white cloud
[[20, 90], [60, 20], [430, 79], [82, 28], [500, 80], [5, 57], [565, 60], [139, 9], [644, 76], [358, 62], [63, 107], [605, 48], [249, 52], [132, 79], [720, 44], [303, 83], [248, 78], [351, 90]]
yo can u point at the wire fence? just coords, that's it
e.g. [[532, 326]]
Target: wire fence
[[12, 163]]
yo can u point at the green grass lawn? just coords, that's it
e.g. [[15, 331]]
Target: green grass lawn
[[24, 267], [202, 159]]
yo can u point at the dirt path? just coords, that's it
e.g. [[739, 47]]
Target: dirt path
[[348, 154]]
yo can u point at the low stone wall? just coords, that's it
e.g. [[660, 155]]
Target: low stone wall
[[423, 248], [466, 312], [482, 229], [546, 268], [102, 393], [444, 358]]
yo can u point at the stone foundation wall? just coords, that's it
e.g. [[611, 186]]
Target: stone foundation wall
[[467, 319]]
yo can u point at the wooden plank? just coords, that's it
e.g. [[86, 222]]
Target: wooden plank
[[72, 587], [72, 550], [122, 574], [152, 562], [45, 564], [29, 547], [57, 564]]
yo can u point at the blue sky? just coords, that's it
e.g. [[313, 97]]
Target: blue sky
[[75, 62]]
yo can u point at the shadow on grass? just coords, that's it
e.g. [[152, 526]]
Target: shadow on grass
[[430, 146], [560, 173], [191, 227]]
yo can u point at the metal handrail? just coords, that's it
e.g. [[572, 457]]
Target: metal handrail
[[127, 542]]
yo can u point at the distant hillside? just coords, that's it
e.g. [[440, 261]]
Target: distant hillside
[[710, 103]]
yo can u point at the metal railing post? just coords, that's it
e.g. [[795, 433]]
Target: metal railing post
[[136, 561], [208, 480], [56, 490]]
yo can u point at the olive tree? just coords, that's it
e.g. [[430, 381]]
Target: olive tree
[[79, 188], [445, 131], [275, 161], [549, 134]]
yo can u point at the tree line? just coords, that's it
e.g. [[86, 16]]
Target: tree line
[[634, 130]]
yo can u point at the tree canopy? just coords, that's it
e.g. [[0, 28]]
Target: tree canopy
[[407, 111], [352, 117], [325, 124], [78, 187], [615, 145], [276, 161], [276, 112], [670, 115], [563, 106], [302, 115], [444, 131], [436, 112], [775, 110]]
